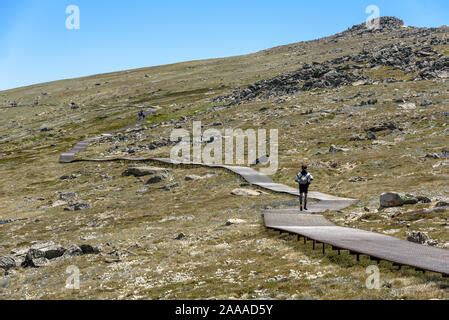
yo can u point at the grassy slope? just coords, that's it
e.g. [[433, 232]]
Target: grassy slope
[[215, 261]]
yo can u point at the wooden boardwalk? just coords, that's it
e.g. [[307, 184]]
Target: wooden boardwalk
[[358, 242], [315, 227]]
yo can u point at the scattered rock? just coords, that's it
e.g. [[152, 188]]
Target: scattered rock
[[357, 137], [156, 179], [441, 204], [145, 171], [357, 179], [231, 222], [73, 105], [423, 199], [383, 127], [69, 177], [73, 251], [408, 106], [245, 193], [45, 128], [370, 102], [426, 103], [371, 135], [180, 236], [59, 203], [432, 156], [193, 178], [170, 187], [421, 238], [335, 149], [88, 249], [35, 259], [78, 206], [7, 221], [360, 83], [67, 196], [409, 199], [7, 263]]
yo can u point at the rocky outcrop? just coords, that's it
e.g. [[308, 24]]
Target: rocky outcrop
[[418, 57], [41, 254], [421, 238], [393, 199], [308, 77], [385, 24]]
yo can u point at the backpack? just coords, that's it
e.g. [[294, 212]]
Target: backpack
[[303, 179]]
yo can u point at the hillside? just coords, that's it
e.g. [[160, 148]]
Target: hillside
[[367, 110]]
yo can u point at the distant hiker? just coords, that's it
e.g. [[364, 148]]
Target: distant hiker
[[304, 179], [141, 115]]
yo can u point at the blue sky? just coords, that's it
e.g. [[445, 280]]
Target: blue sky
[[35, 45]]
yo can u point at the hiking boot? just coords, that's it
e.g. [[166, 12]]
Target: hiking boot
[[300, 209], [305, 208]]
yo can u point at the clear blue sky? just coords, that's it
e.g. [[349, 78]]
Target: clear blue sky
[[115, 35]]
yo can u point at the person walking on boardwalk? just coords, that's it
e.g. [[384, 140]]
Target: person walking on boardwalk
[[141, 115], [304, 179]]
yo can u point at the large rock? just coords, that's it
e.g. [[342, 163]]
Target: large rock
[[35, 259], [73, 251], [145, 171], [390, 199], [89, 249], [246, 193], [7, 263], [50, 250], [40, 254], [393, 199], [409, 199]]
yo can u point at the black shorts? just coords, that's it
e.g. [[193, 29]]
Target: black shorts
[[304, 188]]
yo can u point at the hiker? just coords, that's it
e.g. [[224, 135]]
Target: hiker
[[304, 179], [141, 115]]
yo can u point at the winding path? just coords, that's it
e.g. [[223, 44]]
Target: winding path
[[314, 227]]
